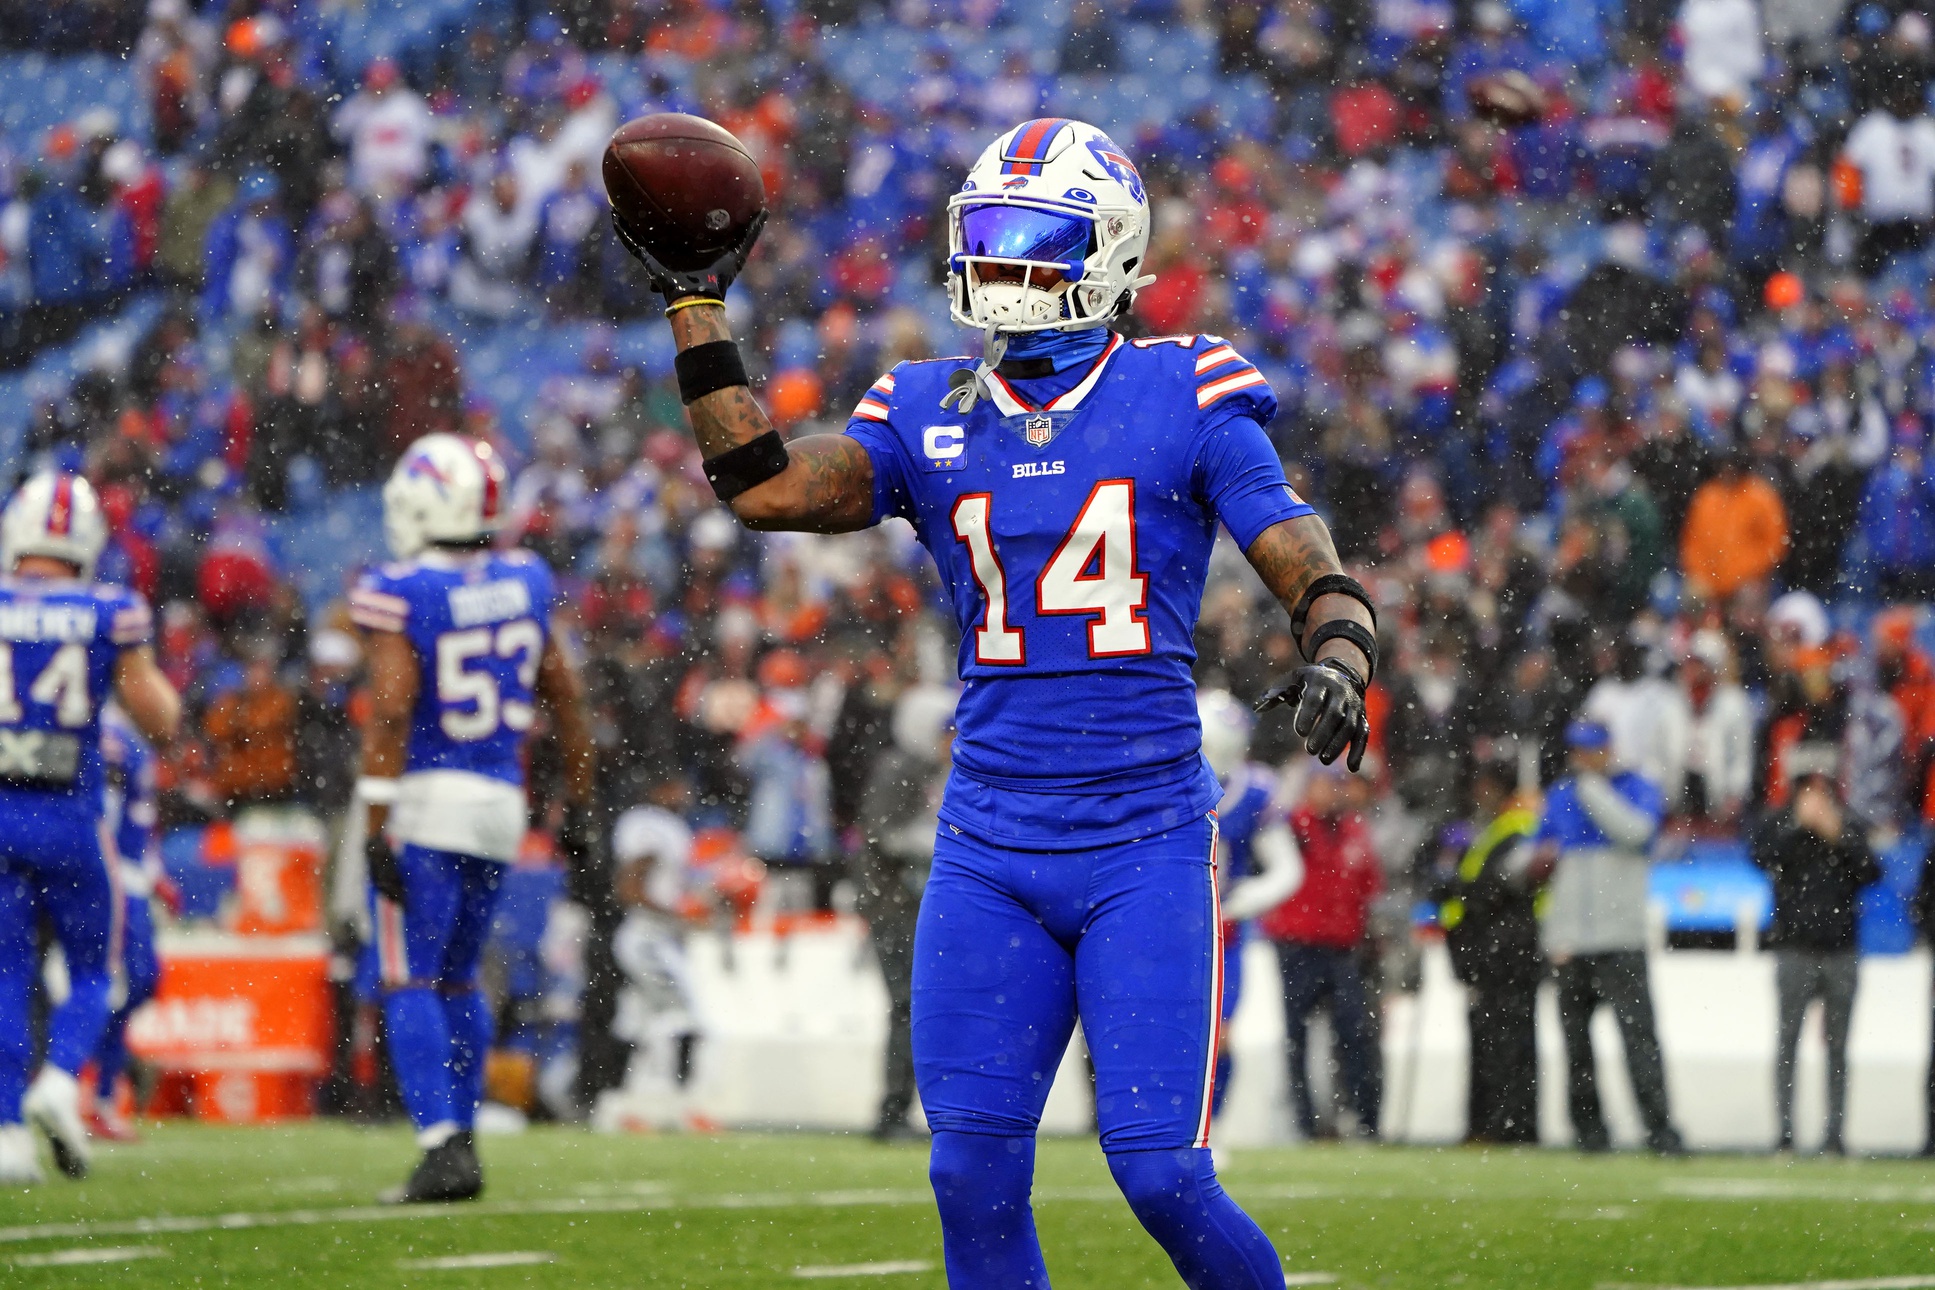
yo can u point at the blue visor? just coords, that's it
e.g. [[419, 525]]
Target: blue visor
[[1022, 233]]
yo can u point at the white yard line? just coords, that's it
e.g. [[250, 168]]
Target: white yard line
[[1865, 1283], [891, 1268], [1309, 1278], [1798, 1189], [89, 1254], [466, 1262]]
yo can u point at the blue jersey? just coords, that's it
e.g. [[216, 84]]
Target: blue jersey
[[1244, 810], [1074, 539], [129, 807], [59, 642], [478, 622]]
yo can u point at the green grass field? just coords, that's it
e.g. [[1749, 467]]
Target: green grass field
[[291, 1207]]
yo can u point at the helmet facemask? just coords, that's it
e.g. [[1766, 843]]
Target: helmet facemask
[[1066, 256]]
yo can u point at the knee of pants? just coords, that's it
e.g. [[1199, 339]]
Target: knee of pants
[[1161, 1183], [976, 1175]]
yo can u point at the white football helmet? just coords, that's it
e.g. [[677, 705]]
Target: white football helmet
[[1057, 199], [1226, 732], [447, 489], [54, 514]]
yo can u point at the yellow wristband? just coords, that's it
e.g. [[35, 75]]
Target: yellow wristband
[[689, 301]]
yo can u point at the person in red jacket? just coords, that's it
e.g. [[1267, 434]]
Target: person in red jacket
[[1318, 932]]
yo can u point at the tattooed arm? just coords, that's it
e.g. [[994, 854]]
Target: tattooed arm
[[1289, 556], [828, 485]]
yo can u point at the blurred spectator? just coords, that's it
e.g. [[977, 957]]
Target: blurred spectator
[[499, 231], [1897, 519], [1485, 906], [1736, 531], [1592, 839], [252, 735], [1892, 151], [421, 383], [898, 817], [1720, 739], [1319, 935], [1089, 44], [1721, 40], [1819, 861], [250, 257], [388, 128], [788, 820], [658, 1012]]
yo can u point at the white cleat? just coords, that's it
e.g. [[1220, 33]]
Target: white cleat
[[53, 1105], [19, 1159]]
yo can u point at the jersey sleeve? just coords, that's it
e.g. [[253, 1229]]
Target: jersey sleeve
[[374, 604], [1236, 468], [130, 622], [872, 424]]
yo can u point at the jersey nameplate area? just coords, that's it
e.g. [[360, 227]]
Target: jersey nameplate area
[[32, 620], [489, 602]]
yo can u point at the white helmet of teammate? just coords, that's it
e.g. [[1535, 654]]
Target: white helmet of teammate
[[54, 514], [1226, 732], [1058, 201], [446, 489]]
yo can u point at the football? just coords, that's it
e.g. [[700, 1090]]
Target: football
[[685, 187], [1508, 99]]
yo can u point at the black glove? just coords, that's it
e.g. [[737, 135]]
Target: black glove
[[386, 876], [675, 285], [1329, 702]]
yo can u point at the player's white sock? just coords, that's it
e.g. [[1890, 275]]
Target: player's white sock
[[19, 1161], [53, 1105], [437, 1134]]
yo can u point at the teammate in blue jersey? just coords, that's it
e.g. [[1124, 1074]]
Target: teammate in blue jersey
[[1258, 861], [129, 815], [1069, 486], [66, 646], [462, 652]]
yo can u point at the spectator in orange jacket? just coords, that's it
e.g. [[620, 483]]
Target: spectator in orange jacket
[[252, 736], [1735, 534], [1318, 932], [1905, 673]]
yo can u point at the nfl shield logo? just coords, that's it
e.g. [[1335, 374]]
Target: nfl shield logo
[[1039, 431]]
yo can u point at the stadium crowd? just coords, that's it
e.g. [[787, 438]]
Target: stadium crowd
[[1623, 413]]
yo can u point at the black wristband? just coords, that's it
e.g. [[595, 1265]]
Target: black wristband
[[749, 465], [1329, 584], [1355, 633], [708, 368]]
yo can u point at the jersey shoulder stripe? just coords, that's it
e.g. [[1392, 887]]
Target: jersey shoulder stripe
[[133, 623], [1228, 382], [877, 403], [378, 610], [1218, 355]]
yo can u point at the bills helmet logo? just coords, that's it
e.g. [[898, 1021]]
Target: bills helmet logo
[[1120, 168], [1038, 431], [423, 466]]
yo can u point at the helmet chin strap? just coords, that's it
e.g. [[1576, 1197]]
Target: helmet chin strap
[[966, 388]]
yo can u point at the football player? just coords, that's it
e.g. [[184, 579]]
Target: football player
[[1068, 486], [66, 646], [1257, 857], [130, 815], [462, 652]]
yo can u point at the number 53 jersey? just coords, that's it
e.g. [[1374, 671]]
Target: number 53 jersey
[[478, 622], [1074, 538]]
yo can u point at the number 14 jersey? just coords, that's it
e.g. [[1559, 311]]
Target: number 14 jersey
[[1074, 539], [477, 622]]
